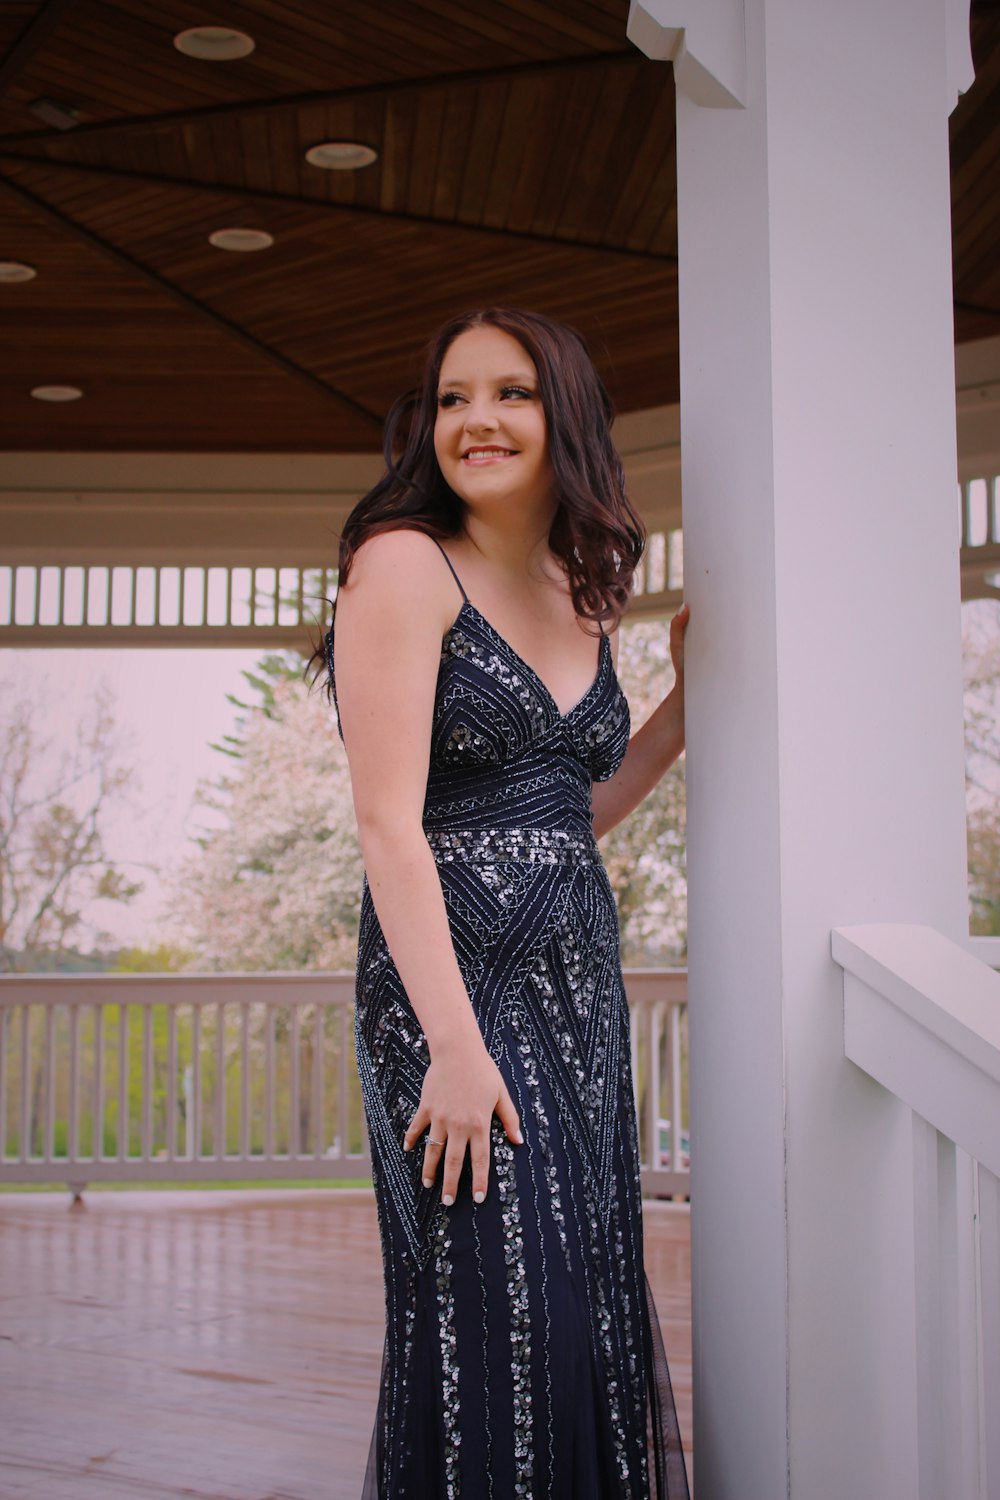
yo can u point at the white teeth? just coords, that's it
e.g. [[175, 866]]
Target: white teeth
[[488, 453]]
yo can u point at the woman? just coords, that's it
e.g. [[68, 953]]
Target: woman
[[481, 585]]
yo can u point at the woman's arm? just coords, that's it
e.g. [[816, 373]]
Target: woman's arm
[[391, 616], [651, 750]]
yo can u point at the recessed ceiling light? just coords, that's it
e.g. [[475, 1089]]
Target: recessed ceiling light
[[341, 156], [214, 43], [241, 239], [53, 112], [57, 393], [12, 271]]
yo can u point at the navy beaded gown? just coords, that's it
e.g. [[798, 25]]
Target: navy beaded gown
[[522, 1355]]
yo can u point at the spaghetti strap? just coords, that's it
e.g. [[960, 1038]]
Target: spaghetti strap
[[465, 597]]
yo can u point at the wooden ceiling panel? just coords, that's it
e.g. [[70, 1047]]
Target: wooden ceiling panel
[[577, 111], [316, 288], [15, 16], [975, 180], [115, 59], [144, 366], [525, 154], [128, 414], [497, 154]]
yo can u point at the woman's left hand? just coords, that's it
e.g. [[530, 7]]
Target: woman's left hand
[[678, 625]]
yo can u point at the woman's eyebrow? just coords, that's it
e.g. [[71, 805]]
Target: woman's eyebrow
[[521, 379]]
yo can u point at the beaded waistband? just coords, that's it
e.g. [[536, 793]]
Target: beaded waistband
[[535, 846]]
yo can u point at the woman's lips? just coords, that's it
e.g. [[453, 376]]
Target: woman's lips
[[478, 456]]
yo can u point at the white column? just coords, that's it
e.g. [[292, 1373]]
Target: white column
[[825, 754]]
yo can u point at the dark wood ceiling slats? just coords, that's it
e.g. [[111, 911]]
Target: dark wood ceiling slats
[[458, 120], [414, 37], [489, 29], [483, 147], [975, 156], [546, 139], [214, 112], [84, 66], [143, 361], [397, 134], [585, 213], [15, 17], [975, 120], [578, 111], [249, 205], [237, 332], [562, 24], [288, 57], [36, 29], [646, 190], [513, 141], [525, 154], [364, 186], [424, 151]]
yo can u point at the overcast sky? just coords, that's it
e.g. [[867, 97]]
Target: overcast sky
[[171, 704]]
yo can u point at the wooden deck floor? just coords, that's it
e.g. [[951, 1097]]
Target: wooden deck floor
[[215, 1345]]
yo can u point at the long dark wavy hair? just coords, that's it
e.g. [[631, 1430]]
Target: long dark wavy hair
[[596, 533]]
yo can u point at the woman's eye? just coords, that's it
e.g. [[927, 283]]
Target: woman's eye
[[450, 398], [517, 391]]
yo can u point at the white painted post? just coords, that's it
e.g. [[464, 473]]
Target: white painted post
[[825, 757]]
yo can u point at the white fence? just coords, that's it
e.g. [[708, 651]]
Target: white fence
[[922, 1017], [201, 603], [170, 1077]]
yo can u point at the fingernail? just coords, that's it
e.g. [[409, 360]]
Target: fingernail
[[428, 1182], [447, 1200], [406, 1145], [479, 1197], [519, 1139]]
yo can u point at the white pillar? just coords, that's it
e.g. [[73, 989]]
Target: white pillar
[[825, 754]]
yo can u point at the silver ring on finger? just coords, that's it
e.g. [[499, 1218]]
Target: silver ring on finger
[[432, 1142]]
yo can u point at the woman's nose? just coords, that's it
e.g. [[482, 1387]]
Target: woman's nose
[[480, 417]]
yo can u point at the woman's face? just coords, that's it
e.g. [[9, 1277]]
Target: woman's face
[[490, 436]]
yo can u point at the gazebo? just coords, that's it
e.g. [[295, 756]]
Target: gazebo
[[225, 246]]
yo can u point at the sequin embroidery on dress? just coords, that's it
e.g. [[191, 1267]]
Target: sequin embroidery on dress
[[522, 1353]]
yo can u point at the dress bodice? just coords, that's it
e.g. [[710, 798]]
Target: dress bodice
[[502, 754]]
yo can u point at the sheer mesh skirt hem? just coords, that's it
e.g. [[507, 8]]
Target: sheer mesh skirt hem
[[667, 1469]]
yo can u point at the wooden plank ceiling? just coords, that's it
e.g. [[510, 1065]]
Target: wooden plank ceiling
[[525, 155]]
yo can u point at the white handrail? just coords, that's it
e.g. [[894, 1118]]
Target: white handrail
[[922, 1018], [243, 1076]]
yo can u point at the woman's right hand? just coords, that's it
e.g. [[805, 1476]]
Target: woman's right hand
[[462, 1091]]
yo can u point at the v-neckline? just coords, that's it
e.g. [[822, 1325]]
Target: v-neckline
[[602, 650]]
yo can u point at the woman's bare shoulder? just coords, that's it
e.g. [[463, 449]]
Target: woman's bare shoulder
[[391, 552], [405, 570]]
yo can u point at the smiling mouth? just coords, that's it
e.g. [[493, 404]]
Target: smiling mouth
[[486, 455]]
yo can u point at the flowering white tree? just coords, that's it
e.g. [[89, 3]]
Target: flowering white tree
[[278, 884], [981, 645], [644, 855]]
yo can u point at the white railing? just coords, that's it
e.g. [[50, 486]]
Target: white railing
[[183, 600], [173, 1077], [922, 1017], [196, 602], [979, 501], [162, 604]]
